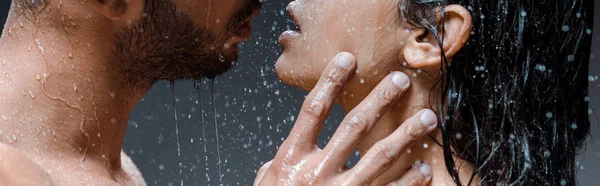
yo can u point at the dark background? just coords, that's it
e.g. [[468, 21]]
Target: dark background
[[255, 112]]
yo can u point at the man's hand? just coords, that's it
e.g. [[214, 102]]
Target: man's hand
[[299, 161]]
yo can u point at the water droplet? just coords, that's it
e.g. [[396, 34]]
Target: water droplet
[[458, 136], [523, 13], [31, 95], [563, 182], [540, 67], [571, 58], [547, 154], [221, 58], [549, 115]]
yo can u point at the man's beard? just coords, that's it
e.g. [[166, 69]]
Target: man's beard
[[166, 45]]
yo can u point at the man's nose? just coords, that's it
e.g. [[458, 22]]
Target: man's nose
[[256, 5]]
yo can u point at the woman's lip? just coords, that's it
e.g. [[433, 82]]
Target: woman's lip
[[291, 12], [288, 35]]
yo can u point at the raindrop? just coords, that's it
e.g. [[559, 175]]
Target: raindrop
[[176, 126], [212, 95]]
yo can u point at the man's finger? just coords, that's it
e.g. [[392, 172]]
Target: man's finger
[[416, 176], [319, 101], [359, 122], [384, 153]]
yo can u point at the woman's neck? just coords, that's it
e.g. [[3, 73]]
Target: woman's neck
[[423, 150]]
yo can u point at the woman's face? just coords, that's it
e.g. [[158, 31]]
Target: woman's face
[[369, 29]]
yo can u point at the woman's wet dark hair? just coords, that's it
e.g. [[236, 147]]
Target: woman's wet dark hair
[[516, 96]]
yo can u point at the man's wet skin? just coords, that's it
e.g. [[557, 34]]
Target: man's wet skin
[[71, 72]]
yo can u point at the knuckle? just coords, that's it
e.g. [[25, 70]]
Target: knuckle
[[386, 96], [314, 108], [383, 155], [337, 77], [413, 132], [357, 125], [308, 178]]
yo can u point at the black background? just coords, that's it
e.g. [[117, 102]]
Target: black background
[[255, 111]]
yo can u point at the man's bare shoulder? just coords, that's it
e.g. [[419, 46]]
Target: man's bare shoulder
[[16, 169]]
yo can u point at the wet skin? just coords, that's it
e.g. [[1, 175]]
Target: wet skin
[[67, 92], [383, 43]]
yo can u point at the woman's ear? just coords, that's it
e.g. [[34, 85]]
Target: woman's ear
[[119, 9], [422, 48]]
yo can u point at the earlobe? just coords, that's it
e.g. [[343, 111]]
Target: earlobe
[[423, 49]]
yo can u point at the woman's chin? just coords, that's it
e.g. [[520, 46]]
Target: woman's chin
[[290, 75]]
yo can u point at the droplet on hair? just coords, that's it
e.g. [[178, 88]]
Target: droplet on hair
[[540, 67], [547, 154], [523, 13], [574, 126], [571, 58], [549, 115], [458, 136]]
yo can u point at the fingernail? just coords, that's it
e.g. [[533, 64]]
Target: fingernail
[[344, 60], [400, 79], [428, 118], [425, 170]]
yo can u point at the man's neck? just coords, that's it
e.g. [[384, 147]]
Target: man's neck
[[62, 93]]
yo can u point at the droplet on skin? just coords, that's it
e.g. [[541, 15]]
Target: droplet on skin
[[31, 95]]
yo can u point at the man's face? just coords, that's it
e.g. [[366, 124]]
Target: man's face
[[184, 39]]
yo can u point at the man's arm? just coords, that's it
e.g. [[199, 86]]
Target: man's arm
[[16, 169]]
